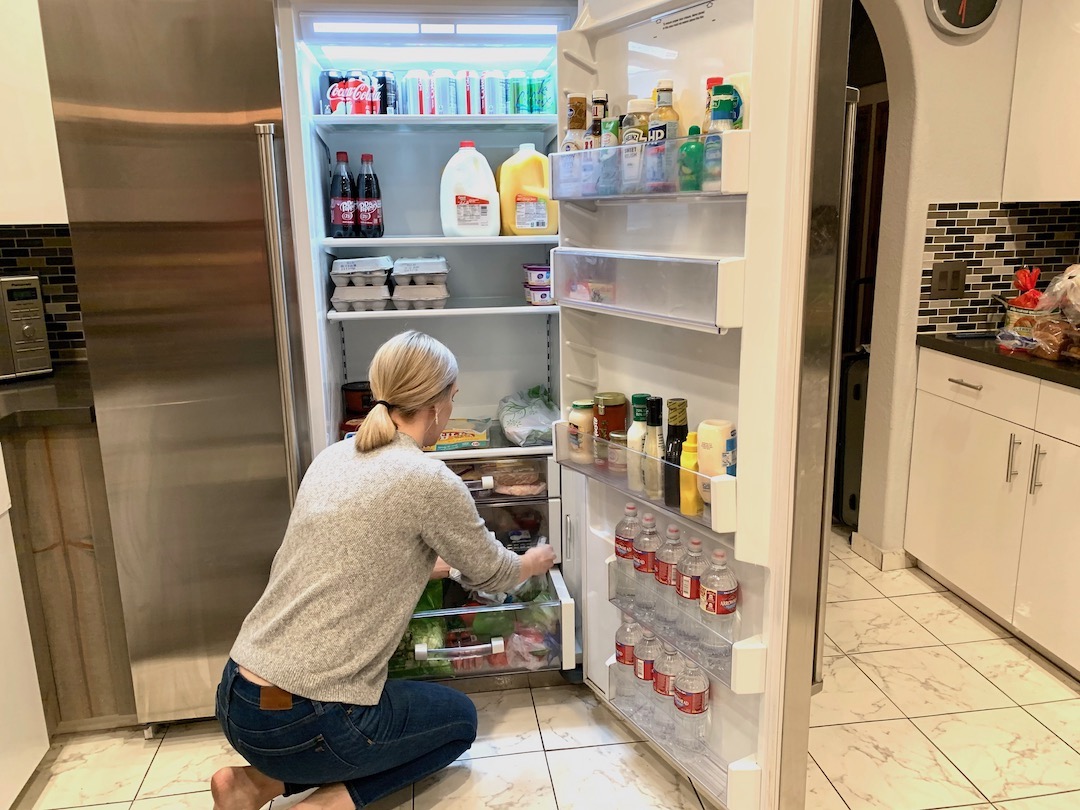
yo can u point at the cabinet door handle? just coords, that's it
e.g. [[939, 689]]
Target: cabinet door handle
[[1009, 471], [568, 539], [966, 384], [1035, 482]]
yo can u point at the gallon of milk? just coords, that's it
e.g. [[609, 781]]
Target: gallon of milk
[[525, 191], [468, 197]]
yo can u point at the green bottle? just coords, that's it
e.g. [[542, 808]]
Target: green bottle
[[691, 160]]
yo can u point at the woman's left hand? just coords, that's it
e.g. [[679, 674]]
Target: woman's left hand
[[441, 570]]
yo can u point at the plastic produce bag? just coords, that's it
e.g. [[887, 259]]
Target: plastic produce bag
[[527, 416], [1064, 294]]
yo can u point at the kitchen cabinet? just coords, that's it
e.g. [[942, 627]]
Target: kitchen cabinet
[[1041, 159], [966, 497], [1050, 557], [988, 497]]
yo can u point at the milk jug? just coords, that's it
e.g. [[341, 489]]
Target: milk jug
[[525, 191], [468, 197]]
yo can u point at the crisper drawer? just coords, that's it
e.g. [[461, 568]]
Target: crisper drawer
[[532, 630], [1004, 394], [508, 479], [705, 294]]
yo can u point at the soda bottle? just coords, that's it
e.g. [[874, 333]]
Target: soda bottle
[[689, 571], [626, 639], [667, 599], [369, 213], [719, 599], [691, 709], [645, 547], [665, 670], [646, 652], [626, 533], [342, 223]]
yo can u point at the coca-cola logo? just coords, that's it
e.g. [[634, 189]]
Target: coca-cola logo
[[348, 91]]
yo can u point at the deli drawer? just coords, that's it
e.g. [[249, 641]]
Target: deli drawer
[[509, 478]]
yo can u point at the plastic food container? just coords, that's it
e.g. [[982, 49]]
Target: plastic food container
[[538, 296], [361, 272], [358, 397], [537, 275]]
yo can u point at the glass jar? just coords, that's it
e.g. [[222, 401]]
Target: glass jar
[[609, 413], [616, 452], [580, 431]]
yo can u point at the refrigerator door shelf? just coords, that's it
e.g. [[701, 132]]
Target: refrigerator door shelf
[[648, 171], [704, 294], [718, 516], [329, 124]]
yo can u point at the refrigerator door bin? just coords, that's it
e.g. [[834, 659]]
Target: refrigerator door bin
[[533, 630], [705, 294]]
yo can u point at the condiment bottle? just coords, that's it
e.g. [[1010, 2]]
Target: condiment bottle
[[635, 444], [722, 119], [710, 83], [609, 413], [580, 431], [676, 435], [608, 182], [663, 126], [590, 168], [634, 134], [654, 448], [616, 453], [691, 156], [689, 498]]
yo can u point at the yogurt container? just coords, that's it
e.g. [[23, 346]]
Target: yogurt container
[[538, 296], [538, 275]]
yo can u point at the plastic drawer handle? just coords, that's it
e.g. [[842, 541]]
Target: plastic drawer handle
[[423, 653]]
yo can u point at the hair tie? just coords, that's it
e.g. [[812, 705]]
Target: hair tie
[[384, 403]]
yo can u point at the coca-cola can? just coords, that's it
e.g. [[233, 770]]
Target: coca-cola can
[[415, 93], [332, 95], [443, 92], [358, 91], [468, 92], [386, 86], [493, 93]]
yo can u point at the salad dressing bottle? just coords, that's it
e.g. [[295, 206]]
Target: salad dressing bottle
[[654, 448]]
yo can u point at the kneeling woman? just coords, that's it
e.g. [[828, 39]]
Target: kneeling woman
[[304, 697]]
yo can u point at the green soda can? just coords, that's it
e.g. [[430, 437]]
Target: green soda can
[[518, 83], [541, 97]]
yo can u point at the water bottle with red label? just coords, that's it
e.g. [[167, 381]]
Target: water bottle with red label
[[667, 598], [626, 532], [645, 588], [646, 652], [626, 640], [691, 709], [719, 601], [665, 670], [688, 574]]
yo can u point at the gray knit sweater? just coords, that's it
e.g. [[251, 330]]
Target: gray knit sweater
[[360, 546]]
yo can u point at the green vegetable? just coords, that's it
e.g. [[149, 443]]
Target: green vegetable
[[494, 623]]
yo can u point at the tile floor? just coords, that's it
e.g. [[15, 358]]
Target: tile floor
[[927, 704]]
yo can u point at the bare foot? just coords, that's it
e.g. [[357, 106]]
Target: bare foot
[[243, 789]]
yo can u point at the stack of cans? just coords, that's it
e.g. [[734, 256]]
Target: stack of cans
[[442, 92]]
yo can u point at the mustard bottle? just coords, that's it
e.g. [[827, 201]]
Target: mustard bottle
[[689, 498]]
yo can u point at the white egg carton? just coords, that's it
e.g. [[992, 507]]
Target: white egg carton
[[424, 270], [439, 303], [360, 299], [365, 272], [420, 292]]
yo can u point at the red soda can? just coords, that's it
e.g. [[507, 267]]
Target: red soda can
[[358, 93]]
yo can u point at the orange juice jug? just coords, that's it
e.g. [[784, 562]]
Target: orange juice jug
[[525, 194]]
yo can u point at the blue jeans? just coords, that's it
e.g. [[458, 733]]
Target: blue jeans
[[415, 730]]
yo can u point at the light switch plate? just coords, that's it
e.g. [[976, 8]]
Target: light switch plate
[[948, 280]]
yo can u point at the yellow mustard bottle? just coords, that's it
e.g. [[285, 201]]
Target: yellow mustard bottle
[[689, 498], [525, 194]]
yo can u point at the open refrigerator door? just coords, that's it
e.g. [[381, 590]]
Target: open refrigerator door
[[714, 292]]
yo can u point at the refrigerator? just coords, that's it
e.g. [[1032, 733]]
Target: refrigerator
[[196, 159]]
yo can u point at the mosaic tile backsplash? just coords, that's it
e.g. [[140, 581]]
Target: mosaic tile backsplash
[[45, 251], [994, 239]]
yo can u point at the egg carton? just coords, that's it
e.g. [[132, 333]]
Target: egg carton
[[365, 272], [359, 278], [439, 303], [421, 292], [360, 299], [423, 266]]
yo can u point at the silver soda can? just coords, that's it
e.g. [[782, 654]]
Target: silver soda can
[[386, 87], [443, 92], [414, 93], [493, 93], [468, 92]]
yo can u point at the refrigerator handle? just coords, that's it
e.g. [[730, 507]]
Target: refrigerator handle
[[274, 251], [851, 109]]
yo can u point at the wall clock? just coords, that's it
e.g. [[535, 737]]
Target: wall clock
[[961, 17]]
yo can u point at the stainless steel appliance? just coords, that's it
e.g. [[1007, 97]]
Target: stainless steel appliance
[[24, 343], [155, 107]]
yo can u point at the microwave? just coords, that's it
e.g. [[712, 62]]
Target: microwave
[[24, 343]]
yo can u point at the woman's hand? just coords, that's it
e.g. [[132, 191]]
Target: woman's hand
[[536, 561], [441, 570]]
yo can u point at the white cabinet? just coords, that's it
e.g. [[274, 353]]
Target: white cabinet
[[23, 737], [1041, 161], [1050, 556], [966, 497]]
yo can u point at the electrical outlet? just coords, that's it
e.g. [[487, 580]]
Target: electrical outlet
[[948, 280]]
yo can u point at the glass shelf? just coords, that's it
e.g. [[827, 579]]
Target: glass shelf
[[649, 171], [326, 124], [704, 294], [718, 516], [451, 307]]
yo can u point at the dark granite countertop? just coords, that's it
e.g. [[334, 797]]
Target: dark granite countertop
[[64, 397], [984, 350]]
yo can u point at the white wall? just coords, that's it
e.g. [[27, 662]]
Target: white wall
[[949, 110], [31, 190]]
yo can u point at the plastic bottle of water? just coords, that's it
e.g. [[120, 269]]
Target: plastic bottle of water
[[626, 639], [719, 599], [646, 652], [645, 547], [690, 569], [626, 533], [691, 709], [667, 599], [665, 671]]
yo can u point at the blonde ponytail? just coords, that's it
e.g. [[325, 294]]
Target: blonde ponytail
[[409, 372]]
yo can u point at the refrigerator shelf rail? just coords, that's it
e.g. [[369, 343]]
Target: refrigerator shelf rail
[[648, 171], [348, 247], [451, 308], [744, 673], [703, 294], [344, 124], [718, 516]]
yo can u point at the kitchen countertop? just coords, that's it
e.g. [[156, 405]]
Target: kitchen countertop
[[64, 397], [984, 350]]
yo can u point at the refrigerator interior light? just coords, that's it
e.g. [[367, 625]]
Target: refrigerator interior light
[[366, 28], [439, 55], [436, 28], [519, 29]]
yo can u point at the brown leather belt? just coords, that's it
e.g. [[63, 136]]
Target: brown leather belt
[[274, 699]]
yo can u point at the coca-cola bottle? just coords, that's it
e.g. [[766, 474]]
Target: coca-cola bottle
[[342, 200], [368, 199]]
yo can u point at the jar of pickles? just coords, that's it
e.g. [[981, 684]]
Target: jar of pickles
[[609, 413]]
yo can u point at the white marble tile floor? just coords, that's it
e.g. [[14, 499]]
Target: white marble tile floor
[[927, 704]]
